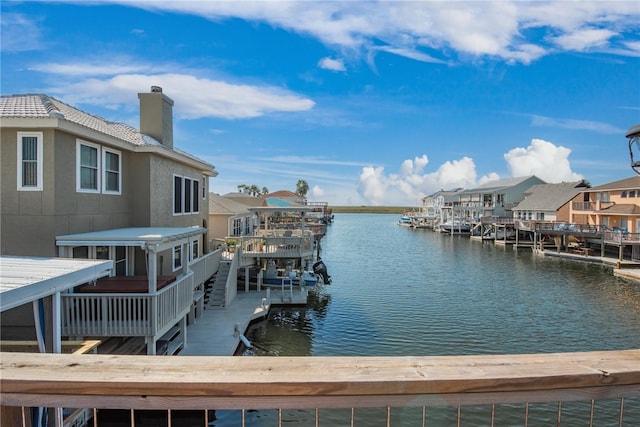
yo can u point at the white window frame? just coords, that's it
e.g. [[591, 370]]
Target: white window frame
[[181, 186], [177, 258], [193, 196], [39, 153], [194, 250], [79, 189], [187, 195], [106, 151]]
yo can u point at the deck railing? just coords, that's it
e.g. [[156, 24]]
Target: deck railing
[[126, 314], [279, 246], [135, 314], [247, 383]]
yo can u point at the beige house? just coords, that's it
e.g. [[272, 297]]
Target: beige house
[[615, 206], [228, 217], [75, 185], [65, 171], [548, 202]]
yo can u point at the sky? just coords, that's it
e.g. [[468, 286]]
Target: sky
[[370, 102]]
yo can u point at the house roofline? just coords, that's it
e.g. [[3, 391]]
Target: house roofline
[[80, 131]]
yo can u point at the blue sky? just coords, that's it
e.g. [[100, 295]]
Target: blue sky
[[372, 103]]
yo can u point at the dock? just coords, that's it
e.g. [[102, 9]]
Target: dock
[[218, 331]]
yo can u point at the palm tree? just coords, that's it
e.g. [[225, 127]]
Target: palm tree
[[302, 188], [242, 187], [265, 191]]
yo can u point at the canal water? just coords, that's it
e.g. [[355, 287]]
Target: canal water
[[399, 292]]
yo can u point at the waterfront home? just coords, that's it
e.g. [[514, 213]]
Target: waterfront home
[[228, 218], [76, 185], [441, 204], [548, 202], [615, 205], [494, 198]]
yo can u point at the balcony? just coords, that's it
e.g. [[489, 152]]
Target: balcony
[[324, 383], [121, 306], [591, 206], [277, 244]]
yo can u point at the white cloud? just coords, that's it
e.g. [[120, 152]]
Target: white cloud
[[587, 125], [85, 68], [20, 33], [417, 30], [584, 39], [332, 64], [544, 159], [373, 185], [317, 192], [194, 97], [412, 182]]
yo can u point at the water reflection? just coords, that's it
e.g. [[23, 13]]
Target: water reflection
[[399, 292]]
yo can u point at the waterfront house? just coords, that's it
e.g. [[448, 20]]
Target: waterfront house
[[615, 205], [76, 185], [613, 209], [440, 205], [227, 218], [548, 202], [494, 198]]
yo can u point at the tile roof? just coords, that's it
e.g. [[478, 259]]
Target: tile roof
[[283, 194], [40, 106]]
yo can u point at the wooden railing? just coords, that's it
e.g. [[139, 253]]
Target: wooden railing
[[591, 206], [194, 382]]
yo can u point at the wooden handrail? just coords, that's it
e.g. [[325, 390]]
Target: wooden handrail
[[187, 382]]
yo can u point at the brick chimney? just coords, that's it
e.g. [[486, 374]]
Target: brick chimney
[[156, 116]]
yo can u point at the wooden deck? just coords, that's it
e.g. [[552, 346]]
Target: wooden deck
[[214, 332]]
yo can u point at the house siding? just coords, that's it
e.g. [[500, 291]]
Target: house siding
[[32, 219]]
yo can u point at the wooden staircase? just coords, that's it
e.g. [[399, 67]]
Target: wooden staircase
[[215, 288]]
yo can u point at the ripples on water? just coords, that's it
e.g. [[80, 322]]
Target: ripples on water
[[400, 292]]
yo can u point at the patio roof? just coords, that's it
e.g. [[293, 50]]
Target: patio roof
[[292, 208], [132, 236], [27, 279]]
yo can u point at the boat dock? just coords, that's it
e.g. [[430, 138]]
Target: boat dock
[[218, 331]]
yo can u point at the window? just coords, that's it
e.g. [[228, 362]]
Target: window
[[632, 193], [88, 162], [195, 250], [237, 227], [177, 195], [80, 252], [177, 258], [99, 169], [120, 261], [185, 195], [623, 194], [196, 198], [111, 174], [29, 161]]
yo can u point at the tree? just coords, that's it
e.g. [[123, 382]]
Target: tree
[[265, 191], [242, 187], [302, 188]]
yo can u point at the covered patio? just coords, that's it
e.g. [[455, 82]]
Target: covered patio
[[148, 297]]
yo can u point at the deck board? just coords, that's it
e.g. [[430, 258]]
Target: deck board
[[212, 334]]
